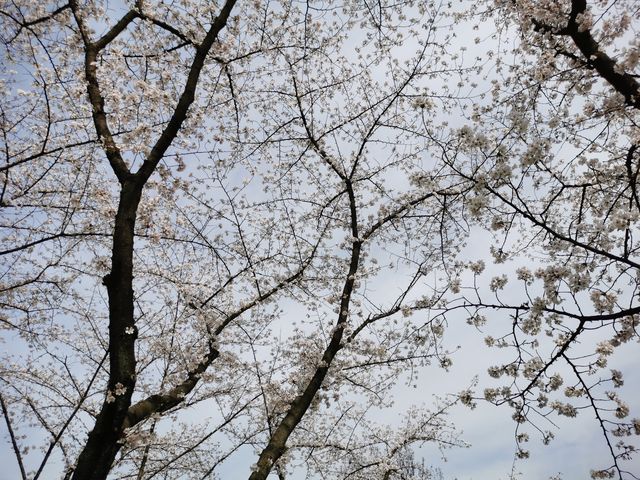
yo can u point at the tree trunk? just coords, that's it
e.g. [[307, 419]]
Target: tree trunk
[[103, 443]]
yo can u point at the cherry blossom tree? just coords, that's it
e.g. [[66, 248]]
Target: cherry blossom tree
[[231, 229], [199, 199], [554, 160]]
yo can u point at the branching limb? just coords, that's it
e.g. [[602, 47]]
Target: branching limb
[[14, 441]]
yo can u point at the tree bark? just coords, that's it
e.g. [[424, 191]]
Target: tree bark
[[103, 443], [104, 440]]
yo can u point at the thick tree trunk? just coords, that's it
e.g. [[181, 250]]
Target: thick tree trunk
[[103, 443], [102, 446]]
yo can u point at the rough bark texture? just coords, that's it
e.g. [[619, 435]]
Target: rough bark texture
[[102, 445], [103, 442]]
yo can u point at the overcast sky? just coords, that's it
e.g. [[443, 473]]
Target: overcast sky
[[578, 447]]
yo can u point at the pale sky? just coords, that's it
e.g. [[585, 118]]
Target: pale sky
[[577, 448]]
